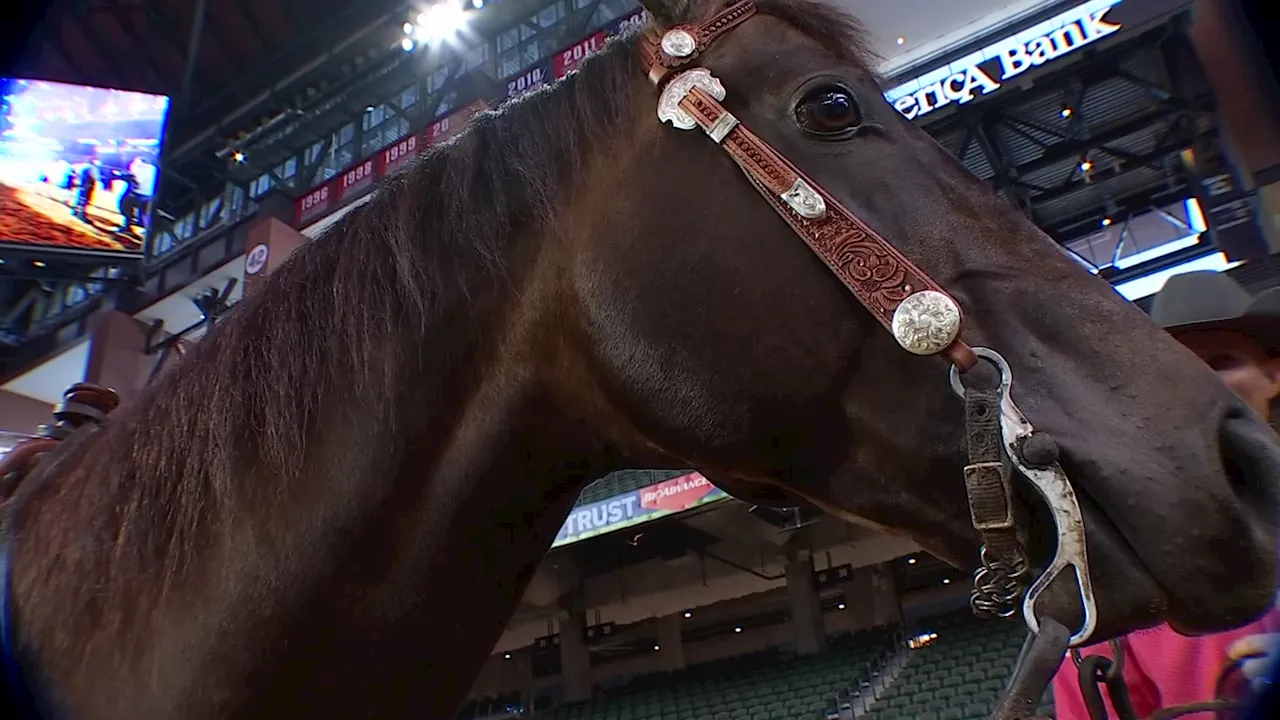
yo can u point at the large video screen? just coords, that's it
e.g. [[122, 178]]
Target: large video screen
[[78, 165]]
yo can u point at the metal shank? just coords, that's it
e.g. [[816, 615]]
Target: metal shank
[[1052, 485]]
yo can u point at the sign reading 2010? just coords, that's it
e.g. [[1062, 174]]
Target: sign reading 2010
[[984, 71], [532, 79]]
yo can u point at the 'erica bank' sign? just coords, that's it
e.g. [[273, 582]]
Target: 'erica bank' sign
[[984, 71]]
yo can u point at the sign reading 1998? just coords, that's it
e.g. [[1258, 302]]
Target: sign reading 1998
[[357, 179], [984, 71]]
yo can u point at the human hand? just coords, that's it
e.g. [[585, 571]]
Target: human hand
[[1257, 655]]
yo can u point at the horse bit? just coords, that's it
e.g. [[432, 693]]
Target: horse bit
[[925, 320]]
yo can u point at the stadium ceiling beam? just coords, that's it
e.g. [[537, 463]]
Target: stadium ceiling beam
[[582, 18], [217, 39], [970, 134], [296, 59], [1105, 174], [1023, 126], [999, 162], [144, 50], [76, 21], [1060, 152], [192, 55], [250, 23], [49, 43], [308, 170], [172, 30], [1085, 222]]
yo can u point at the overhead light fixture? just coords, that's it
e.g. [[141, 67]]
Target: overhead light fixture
[[655, 647], [737, 629], [1106, 222], [506, 655], [38, 263], [408, 28], [688, 614], [1086, 166], [237, 156], [840, 606], [1066, 111], [911, 561], [946, 581], [442, 21], [477, 4], [406, 44], [901, 40]]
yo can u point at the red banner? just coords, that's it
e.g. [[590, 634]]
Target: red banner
[[355, 181], [393, 159], [315, 204], [676, 494], [361, 177], [449, 126], [567, 60]]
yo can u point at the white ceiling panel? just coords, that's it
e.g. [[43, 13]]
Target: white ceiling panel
[[929, 28]]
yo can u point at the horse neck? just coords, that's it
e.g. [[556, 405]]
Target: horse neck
[[373, 584]]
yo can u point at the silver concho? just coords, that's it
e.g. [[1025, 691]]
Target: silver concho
[[927, 322], [669, 102], [679, 43], [805, 200]]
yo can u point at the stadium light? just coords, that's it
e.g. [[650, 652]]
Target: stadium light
[[442, 21]]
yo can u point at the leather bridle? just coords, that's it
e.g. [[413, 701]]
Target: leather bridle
[[922, 317]]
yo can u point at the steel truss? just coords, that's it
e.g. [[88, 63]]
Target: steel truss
[[1093, 139]]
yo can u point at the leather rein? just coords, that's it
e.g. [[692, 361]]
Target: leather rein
[[925, 320]]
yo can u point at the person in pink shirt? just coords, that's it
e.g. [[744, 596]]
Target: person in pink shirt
[[1238, 335]]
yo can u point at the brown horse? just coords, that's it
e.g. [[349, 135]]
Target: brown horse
[[332, 505]]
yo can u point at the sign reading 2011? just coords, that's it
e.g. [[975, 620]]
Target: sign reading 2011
[[984, 71]]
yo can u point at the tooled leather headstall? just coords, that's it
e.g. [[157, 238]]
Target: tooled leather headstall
[[923, 318]]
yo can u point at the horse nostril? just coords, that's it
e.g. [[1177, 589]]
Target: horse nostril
[[1251, 459]]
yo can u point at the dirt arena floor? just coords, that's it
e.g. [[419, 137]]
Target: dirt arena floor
[[27, 217]]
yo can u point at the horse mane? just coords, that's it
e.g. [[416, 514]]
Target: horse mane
[[166, 473]]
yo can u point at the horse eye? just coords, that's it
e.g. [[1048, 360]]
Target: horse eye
[[828, 110]]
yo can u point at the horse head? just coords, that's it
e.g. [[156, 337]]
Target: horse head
[[737, 351]]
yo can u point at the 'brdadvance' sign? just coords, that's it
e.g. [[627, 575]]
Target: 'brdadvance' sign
[[986, 70], [632, 508]]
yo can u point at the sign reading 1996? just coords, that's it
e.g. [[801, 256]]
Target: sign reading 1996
[[986, 70]]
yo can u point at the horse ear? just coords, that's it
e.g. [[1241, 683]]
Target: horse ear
[[665, 13]]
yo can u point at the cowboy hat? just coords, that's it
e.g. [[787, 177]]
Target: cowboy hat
[[1209, 300]]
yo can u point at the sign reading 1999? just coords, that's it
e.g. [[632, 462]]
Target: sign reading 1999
[[984, 71]]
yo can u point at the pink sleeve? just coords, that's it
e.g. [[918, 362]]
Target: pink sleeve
[[1187, 669], [1162, 668], [1068, 700]]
